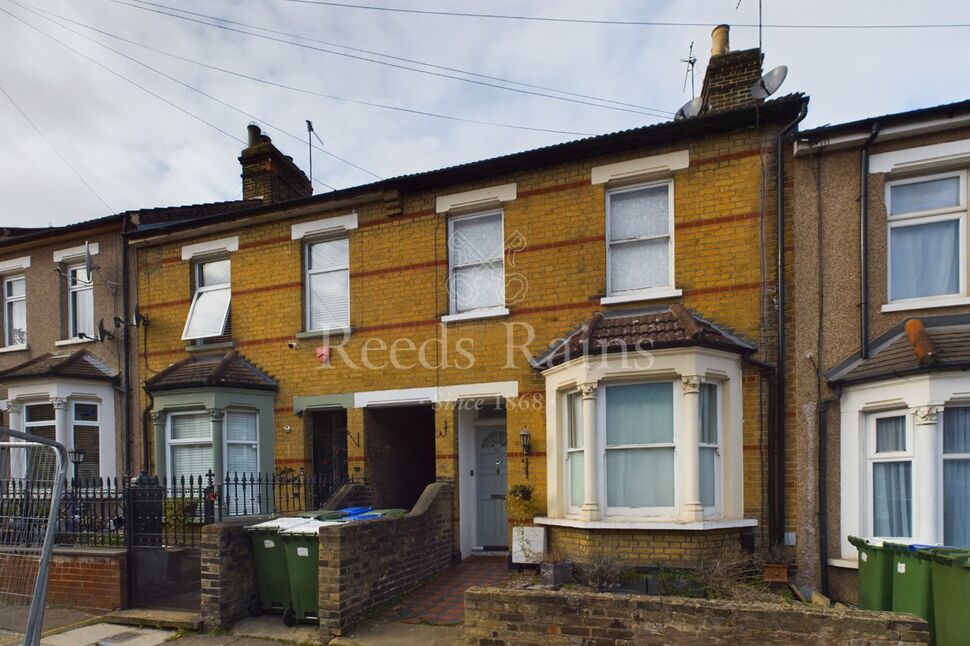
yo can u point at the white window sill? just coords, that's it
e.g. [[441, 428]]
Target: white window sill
[[72, 341], [641, 295], [14, 348], [925, 303], [473, 315], [849, 564], [637, 523], [330, 331]]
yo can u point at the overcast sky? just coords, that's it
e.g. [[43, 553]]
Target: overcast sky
[[137, 150]]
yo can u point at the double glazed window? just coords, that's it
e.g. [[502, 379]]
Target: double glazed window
[[14, 311], [80, 302], [640, 445], [477, 262], [575, 475], [190, 446], [39, 420], [891, 460], [710, 433], [87, 436], [927, 236], [639, 238], [328, 284], [956, 476], [209, 312]]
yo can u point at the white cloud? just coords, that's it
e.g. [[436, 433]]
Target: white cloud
[[139, 152]]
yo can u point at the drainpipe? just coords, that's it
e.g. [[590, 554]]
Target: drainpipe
[[864, 243], [780, 377], [823, 503], [126, 339]]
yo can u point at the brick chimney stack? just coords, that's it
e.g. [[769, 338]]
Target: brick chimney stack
[[268, 174], [730, 75]]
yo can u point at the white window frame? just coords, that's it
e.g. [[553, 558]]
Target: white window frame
[[226, 442], [943, 457], [658, 291], [7, 320], [928, 216], [200, 289], [601, 449], [169, 442], [75, 423], [453, 306], [308, 272], [873, 458], [714, 511], [567, 450], [74, 290]]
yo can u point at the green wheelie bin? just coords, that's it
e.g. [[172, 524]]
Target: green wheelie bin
[[951, 592], [875, 574], [911, 580], [301, 544], [272, 579]]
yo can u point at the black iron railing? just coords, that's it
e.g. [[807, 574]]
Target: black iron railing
[[245, 494]]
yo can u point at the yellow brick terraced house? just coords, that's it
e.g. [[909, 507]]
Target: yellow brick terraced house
[[594, 322]]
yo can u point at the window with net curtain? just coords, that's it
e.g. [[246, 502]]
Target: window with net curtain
[[477, 262], [328, 284], [639, 240], [892, 479], [640, 445], [956, 476], [927, 230]]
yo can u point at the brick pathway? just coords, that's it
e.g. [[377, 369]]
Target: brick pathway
[[441, 601]]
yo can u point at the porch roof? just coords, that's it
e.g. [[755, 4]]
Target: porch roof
[[894, 355], [230, 370], [648, 329], [79, 364]]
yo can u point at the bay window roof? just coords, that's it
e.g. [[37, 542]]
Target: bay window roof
[[230, 370], [649, 329], [80, 364]]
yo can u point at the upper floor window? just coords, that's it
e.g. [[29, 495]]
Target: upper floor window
[[14, 311], [476, 262], [328, 284], [639, 234], [927, 236], [209, 312], [80, 302]]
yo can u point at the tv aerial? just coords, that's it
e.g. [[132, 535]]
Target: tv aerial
[[690, 109], [769, 83]]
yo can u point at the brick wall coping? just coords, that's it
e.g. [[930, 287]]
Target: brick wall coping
[[622, 524], [111, 552]]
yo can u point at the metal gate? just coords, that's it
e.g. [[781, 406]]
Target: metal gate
[[164, 540]]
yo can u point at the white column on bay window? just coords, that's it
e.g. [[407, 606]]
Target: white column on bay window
[[591, 496], [18, 457], [218, 464], [688, 462], [926, 444], [62, 430]]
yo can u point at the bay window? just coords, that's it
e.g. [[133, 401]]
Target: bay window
[[190, 447], [87, 436], [573, 417], [39, 420], [927, 236], [476, 255], [709, 448], [956, 476]]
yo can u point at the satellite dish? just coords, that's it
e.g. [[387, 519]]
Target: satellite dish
[[89, 265], [103, 333], [140, 319], [690, 109], [769, 83]]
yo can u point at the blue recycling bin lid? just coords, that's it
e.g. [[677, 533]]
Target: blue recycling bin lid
[[353, 511]]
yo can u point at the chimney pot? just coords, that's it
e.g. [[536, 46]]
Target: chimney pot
[[254, 133], [720, 42]]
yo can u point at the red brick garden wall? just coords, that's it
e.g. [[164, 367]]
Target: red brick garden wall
[[91, 579]]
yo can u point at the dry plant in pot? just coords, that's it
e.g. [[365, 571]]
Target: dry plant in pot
[[554, 569]]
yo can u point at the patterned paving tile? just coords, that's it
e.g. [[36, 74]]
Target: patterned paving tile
[[441, 601]]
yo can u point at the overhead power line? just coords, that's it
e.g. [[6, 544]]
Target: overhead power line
[[292, 87], [190, 87], [396, 65], [641, 23], [54, 148], [405, 59]]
